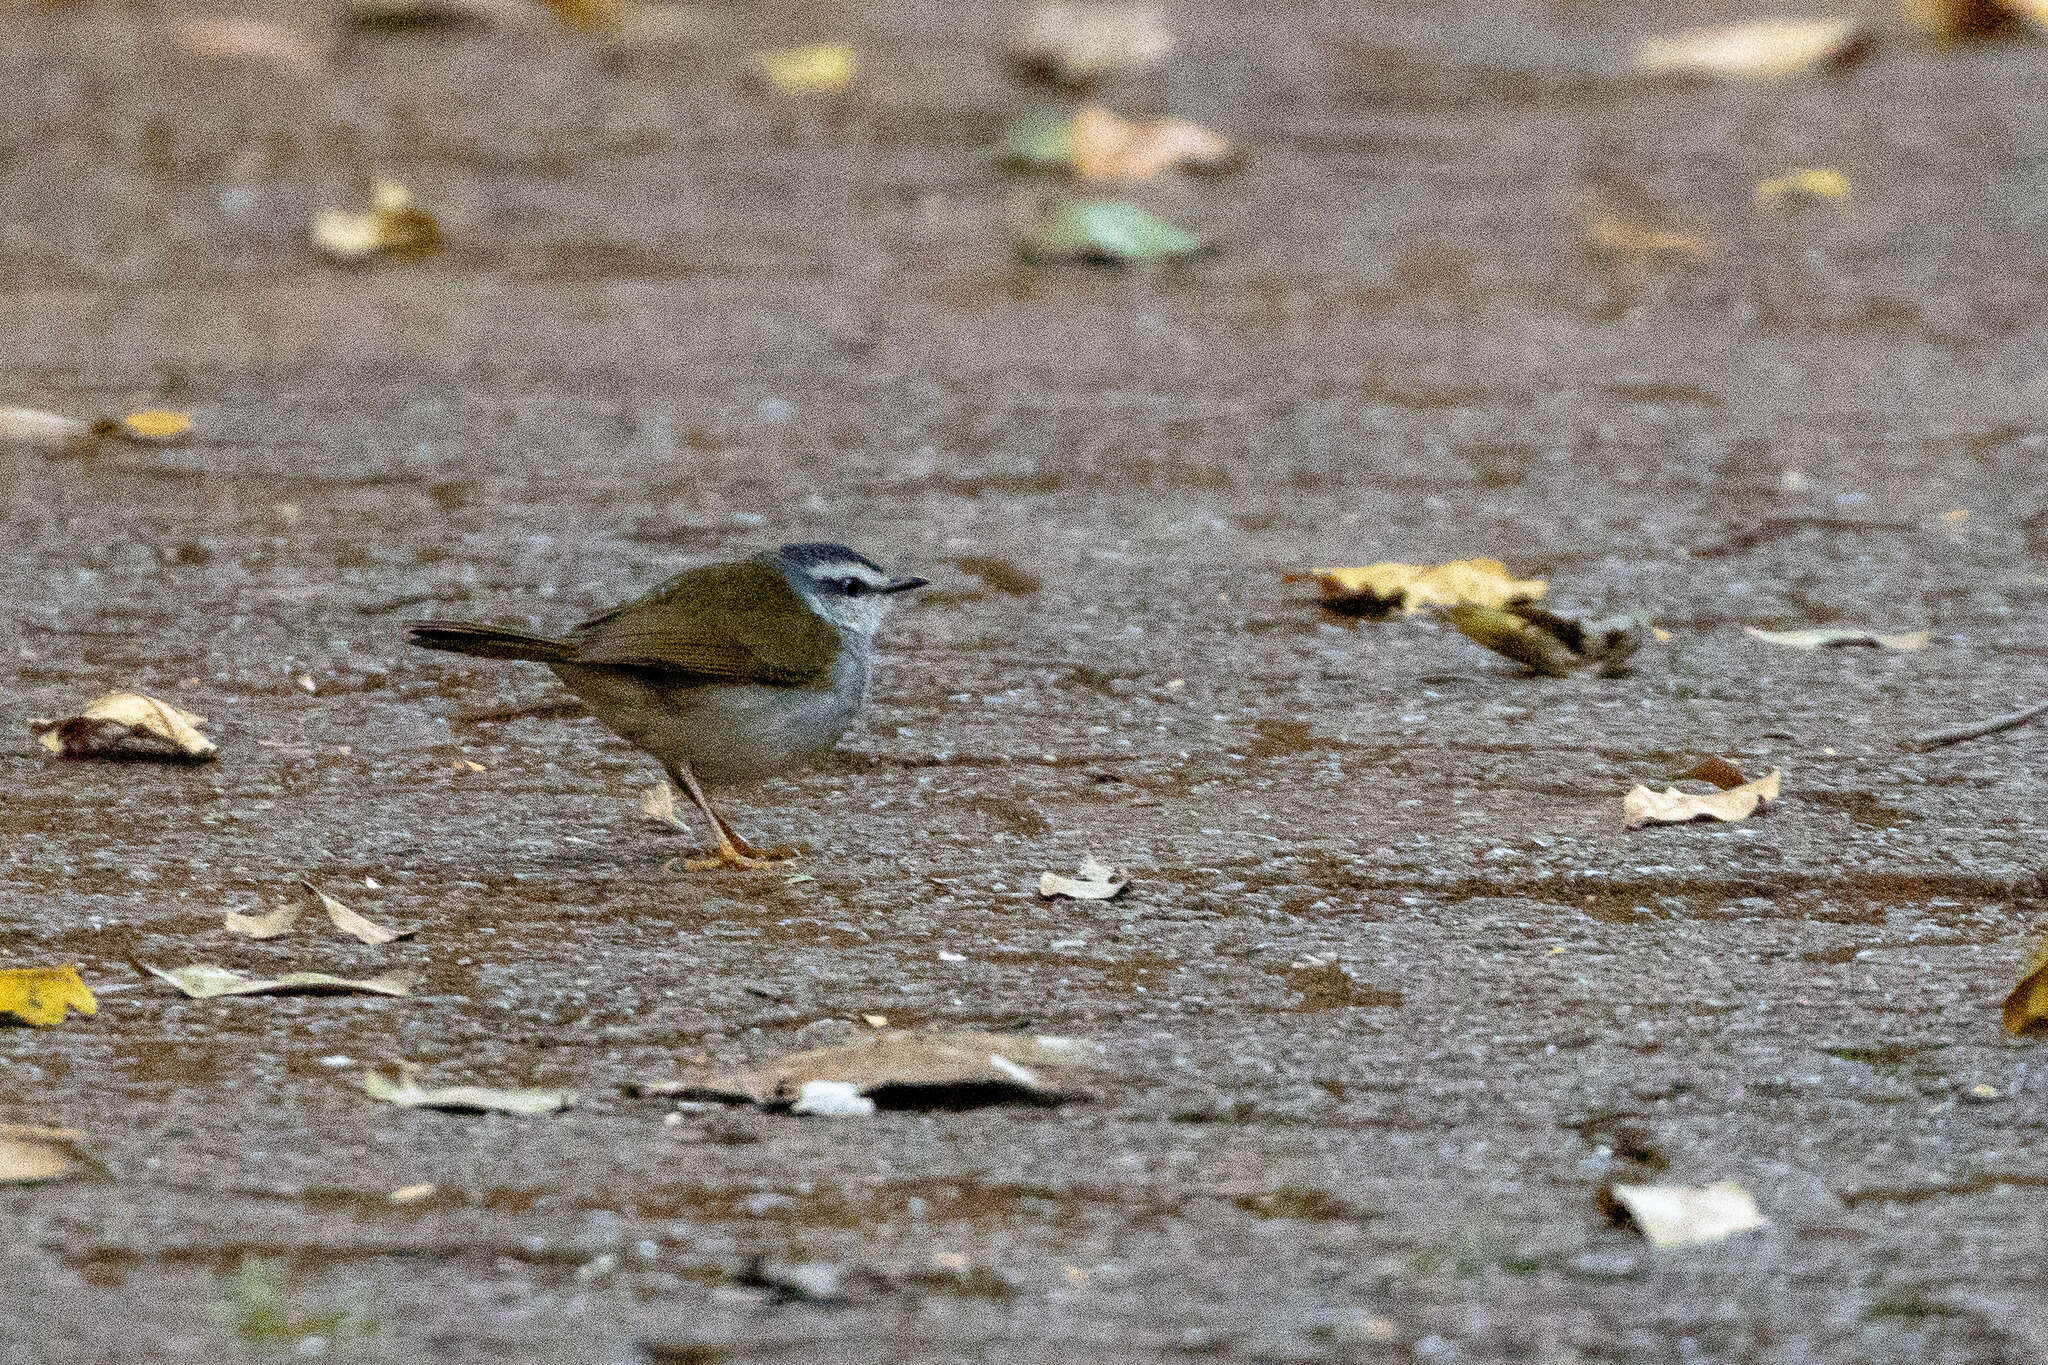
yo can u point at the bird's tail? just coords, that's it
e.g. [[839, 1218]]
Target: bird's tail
[[488, 642]]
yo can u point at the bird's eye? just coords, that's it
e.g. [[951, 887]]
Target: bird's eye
[[852, 587]]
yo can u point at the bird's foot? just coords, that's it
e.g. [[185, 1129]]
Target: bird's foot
[[737, 855]]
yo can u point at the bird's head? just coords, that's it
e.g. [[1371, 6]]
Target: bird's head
[[847, 589]]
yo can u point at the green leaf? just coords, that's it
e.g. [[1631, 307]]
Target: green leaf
[[1106, 230], [1039, 142]]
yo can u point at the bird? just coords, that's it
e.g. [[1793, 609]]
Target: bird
[[723, 673]]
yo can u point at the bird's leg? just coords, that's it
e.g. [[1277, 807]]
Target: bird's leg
[[733, 851]]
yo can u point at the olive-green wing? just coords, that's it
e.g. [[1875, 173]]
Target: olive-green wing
[[722, 623]]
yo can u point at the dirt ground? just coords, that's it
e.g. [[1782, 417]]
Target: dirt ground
[[1392, 993]]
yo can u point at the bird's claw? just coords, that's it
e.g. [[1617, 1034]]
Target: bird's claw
[[737, 855]]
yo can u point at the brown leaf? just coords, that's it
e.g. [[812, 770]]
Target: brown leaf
[[1719, 771], [1674, 807], [1101, 146], [905, 1069], [1381, 589], [38, 996], [2026, 1009], [1949, 22], [127, 725]]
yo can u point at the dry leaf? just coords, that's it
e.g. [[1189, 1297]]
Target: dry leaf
[[1075, 45], [1966, 21], [44, 430], [251, 39], [26, 1159], [903, 1069], [1101, 146], [38, 996], [1761, 50], [1837, 637], [127, 725], [205, 980], [273, 925], [1093, 881], [1674, 807], [1552, 645], [591, 16], [658, 803], [1682, 1215], [356, 926], [2026, 1008], [1819, 182], [412, 1194], [1380, 589], [393, 226], [387, 16], [820, 69], [407, 1093]]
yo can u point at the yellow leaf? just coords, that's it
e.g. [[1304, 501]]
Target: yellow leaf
[[1813, 182], [2027, 1007], [1674, 807], [155, 424], [39, 995], [822, 68], [1552, 645], [1380, 589], [393, 226]]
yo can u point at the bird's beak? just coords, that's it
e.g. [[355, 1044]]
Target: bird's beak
[[904, 584]]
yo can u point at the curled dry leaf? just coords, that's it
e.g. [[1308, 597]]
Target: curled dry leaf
[[1682, 1215], [2026, 1009], [820, 69], [1839, 637], [1381, 589], [1761, 50], [45, 430], [30, 1154], [407, 1093], [1076, 45], [1674, 807], [276, 924], [127, 725], [1812, 183], [356, 926], [205, 980], [38, 996], [1101, 146], [1552, 645], [394, 226], [1093, 881], [903, 1069], [1107, 232]]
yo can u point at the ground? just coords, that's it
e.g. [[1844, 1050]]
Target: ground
[[1392, 993]]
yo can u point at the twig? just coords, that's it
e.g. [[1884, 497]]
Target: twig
[[1934, 739]]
